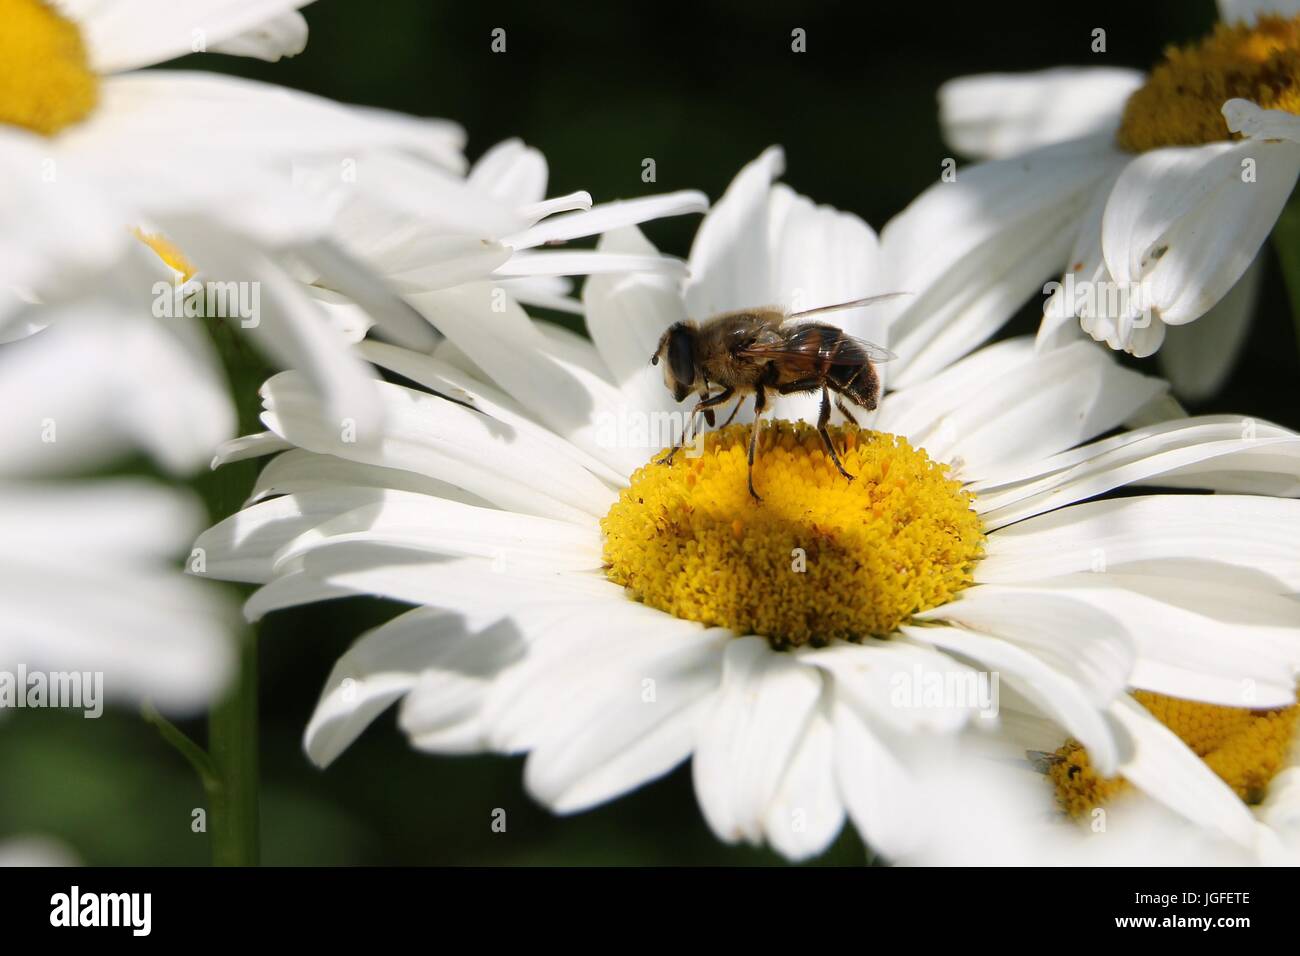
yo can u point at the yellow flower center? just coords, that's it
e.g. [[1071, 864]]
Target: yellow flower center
[[46, 82], [168, 252], [1181, 102], [1245, 749], [819, 558]]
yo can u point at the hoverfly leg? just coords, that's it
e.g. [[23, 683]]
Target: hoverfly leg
[[822, 419], [703, 407], [760, 402]]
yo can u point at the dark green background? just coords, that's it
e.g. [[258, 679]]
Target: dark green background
[[702, 88]]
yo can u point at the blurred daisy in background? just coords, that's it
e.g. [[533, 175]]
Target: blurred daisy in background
[[1207, 784], [237, 182], [1150, 195], [91, 566], [613, 617]]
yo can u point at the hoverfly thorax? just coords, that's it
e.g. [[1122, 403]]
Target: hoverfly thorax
[[677, 349]]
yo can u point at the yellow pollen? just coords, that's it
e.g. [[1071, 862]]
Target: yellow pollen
[[1245, 749], [1181, 102], [46, 82], [819, 558], [168, 252]]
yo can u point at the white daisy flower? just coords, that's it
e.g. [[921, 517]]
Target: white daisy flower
[[1152, 194], [184, 160], [613, 617], [244, 184], [1205, 784], [424, 229], [91, 580]]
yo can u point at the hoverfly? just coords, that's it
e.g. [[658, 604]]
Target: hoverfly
[[761, 350]]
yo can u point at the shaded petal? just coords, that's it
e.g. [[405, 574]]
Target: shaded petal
[[1197, 361], [423, 647], [998, 114], [807, 813], [1230, 538], [974, 249], [631, 722], [1206, 452], [975, 414], [1165, 769], [748, 739], [729, 263], [1183, 224], [447, 441]]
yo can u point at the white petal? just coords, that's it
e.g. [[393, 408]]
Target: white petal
[[547, 700], [460, 584], [883, 681], [1183, 224], [436, 526], [249, 446], [1198, 359], [626, 315], [821, 256], [511, 172], [442, 439], [179, 108], [1249, 119], [747, 740], [1209, 452], [448, 380], [807, 813], [88, 583], [999, 114], [67, 408], [388, 661], [288, 327], [126, 34], [1200, 640], [293, 589], [1053, 693], [1069, 303], [607, 217], [876, 788], [636, 723], [1082, 642], [298, 471], [1165, 769], [502, 340], [285, 35], [979, 421], [337, 270], [1229, 538], [974, 249], [729, 262], [242, 547]]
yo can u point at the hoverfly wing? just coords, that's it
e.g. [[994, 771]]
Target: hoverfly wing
[[811, 343], [877, 353], [851, 304]]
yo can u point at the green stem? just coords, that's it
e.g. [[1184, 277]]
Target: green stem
[[196, 755], [232, 742]]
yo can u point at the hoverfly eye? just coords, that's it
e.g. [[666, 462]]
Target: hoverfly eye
[[681, 356]]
